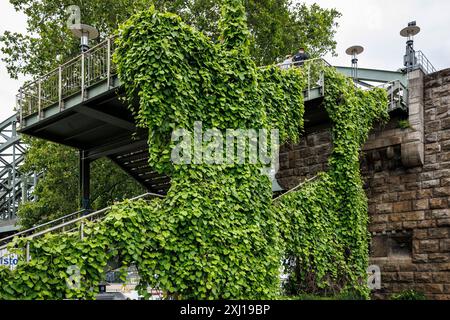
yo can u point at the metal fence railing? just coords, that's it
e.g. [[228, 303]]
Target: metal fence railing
[[397, 95], [95, 66], [422, 62], [71, 78], [314, 69]]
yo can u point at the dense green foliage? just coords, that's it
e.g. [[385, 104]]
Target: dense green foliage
[[217, 233], [276, 29], [57, 191], [223, 229], [325, 231], [125, 232]]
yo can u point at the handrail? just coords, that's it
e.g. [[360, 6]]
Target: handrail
[[72, 77], [95, 65], [92, 49], [301, 184], [301, 63], [40, 226], [315, 76], [423, 62], [398, 94], [65, 224]]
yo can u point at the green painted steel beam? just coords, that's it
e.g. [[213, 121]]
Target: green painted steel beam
[[370, 75], [376, 75]]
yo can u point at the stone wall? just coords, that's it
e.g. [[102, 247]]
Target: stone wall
[[407, 176]]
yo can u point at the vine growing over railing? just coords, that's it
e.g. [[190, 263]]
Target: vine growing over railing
[[217, 233], [324, 224]]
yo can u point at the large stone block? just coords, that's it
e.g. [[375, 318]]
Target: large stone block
[[423, 277], [405, 276], [428, 246], [445, 245], [441, 192], [407, 195], [441, 277], [438, 233], [403, 206], [443, 222], [431, 184], [420, 234], [413, 154], [433, 288], [438, 203], [426, 223], [441, 214], [438, 257], [422, 204]]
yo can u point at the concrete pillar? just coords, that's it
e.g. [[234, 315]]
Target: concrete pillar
[[413, 139]]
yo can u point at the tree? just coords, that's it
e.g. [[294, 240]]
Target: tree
[[277, 28]]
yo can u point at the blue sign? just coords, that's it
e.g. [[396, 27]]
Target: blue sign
[[8, 260]]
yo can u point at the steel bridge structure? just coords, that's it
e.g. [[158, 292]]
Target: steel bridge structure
[[15, 186]]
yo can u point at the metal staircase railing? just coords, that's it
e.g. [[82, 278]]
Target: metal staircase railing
[[35, 229], [71, 78], [397, 95], [76, 223]]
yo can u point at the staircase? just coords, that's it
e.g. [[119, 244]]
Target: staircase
[[136, 165], [70, 223]]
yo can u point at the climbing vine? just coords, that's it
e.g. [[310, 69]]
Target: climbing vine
[[324, 224], [222, 239], [217, 233]]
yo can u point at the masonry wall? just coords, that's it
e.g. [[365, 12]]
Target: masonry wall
[[407, 177]]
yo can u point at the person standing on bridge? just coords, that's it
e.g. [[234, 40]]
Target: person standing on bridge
[[286, 64], [300, 58]]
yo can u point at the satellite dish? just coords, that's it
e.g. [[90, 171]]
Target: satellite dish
[[410, 31], [80, 30], [354, 50]]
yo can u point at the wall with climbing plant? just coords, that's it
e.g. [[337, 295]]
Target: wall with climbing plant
[[324, 224], [217, 233]]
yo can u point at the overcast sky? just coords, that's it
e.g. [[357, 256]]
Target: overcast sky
[[374, 24]]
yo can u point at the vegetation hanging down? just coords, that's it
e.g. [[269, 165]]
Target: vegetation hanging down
[[217, 234], [324, 224], [222, 238]]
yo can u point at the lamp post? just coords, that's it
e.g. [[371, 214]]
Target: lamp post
[[85, 33], [354, 51], [409, 59]]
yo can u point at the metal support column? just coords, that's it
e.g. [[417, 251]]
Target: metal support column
[[85, 175]]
